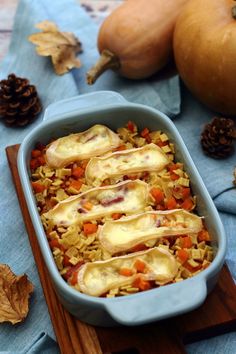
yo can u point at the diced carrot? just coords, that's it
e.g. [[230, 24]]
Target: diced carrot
[[139, 265], [76, 184], [66, 261], [144, 285], [89, 228], [131, 126], [174, 176], [203, 235], [144, 132], [74, 278], [140, 247], [141, 284], [120, 148], [192, 269], [35, 153], [116, 216], [88, 205], [157, 194], [41, 160], [171, 203], [187, 204], [173, 166], [78, 172], [127, 272], [38, 187], [136, 282], [185, 192], [161, 143], [54, 243], [182, 255], [186, 242], [34, 164]]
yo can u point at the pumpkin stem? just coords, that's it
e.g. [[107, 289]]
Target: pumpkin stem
[[107, 60], [234, 12]]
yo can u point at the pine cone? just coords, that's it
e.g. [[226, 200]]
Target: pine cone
[[19, 101], [217, 138]]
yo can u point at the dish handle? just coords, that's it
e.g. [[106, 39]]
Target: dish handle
[[157, 304], [82, 102]]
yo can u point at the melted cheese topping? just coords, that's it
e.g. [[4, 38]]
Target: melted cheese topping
[[97, 278], [74, 147], [147, 158], [123, 234], [127, 197]]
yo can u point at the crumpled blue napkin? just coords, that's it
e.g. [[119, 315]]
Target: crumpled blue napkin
[[35, 334]]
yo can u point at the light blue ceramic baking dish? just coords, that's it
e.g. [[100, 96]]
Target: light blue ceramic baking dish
[[109, 108]]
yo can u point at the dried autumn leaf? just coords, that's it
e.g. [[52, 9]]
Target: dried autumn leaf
[[61, 46], [14, 295]]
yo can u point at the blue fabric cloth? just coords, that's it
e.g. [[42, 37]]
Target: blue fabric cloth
[[35, 334]]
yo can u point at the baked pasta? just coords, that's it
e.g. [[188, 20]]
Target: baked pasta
[[118, 210]]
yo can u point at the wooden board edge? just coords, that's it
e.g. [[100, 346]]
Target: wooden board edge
[[74, 340]]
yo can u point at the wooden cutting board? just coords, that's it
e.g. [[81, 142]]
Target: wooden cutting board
[[216, 316]]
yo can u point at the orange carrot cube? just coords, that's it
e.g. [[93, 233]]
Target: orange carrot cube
[[157, 194], [89, 228]]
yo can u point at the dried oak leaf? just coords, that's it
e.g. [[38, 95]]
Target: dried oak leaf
[[61, 46], [14, 295]]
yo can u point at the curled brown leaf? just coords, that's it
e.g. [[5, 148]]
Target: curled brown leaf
[[14, 295], [61, 46]]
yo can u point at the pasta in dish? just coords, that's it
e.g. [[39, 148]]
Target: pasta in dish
[[118, 210]]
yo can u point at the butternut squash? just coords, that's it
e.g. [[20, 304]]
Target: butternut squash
[[205, 52], [136, 38]]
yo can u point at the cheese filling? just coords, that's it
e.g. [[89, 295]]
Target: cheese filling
[[121, 235], [74, 147], [127, 197], [97, 278], [147, 158]]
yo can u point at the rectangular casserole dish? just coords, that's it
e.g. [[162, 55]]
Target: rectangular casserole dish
[[111, 109]]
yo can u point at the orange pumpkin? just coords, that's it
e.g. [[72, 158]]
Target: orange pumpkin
[[205, 52], [136, 38]]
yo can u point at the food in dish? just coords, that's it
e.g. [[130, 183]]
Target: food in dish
[[103, 213], [74, 147], [125, 233], [147, 158], [127, 197], [97, 278]]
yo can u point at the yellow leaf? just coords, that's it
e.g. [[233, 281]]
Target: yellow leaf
[[14, 295], [61, 46]]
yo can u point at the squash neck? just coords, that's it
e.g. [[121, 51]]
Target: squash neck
[[107, 60]]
